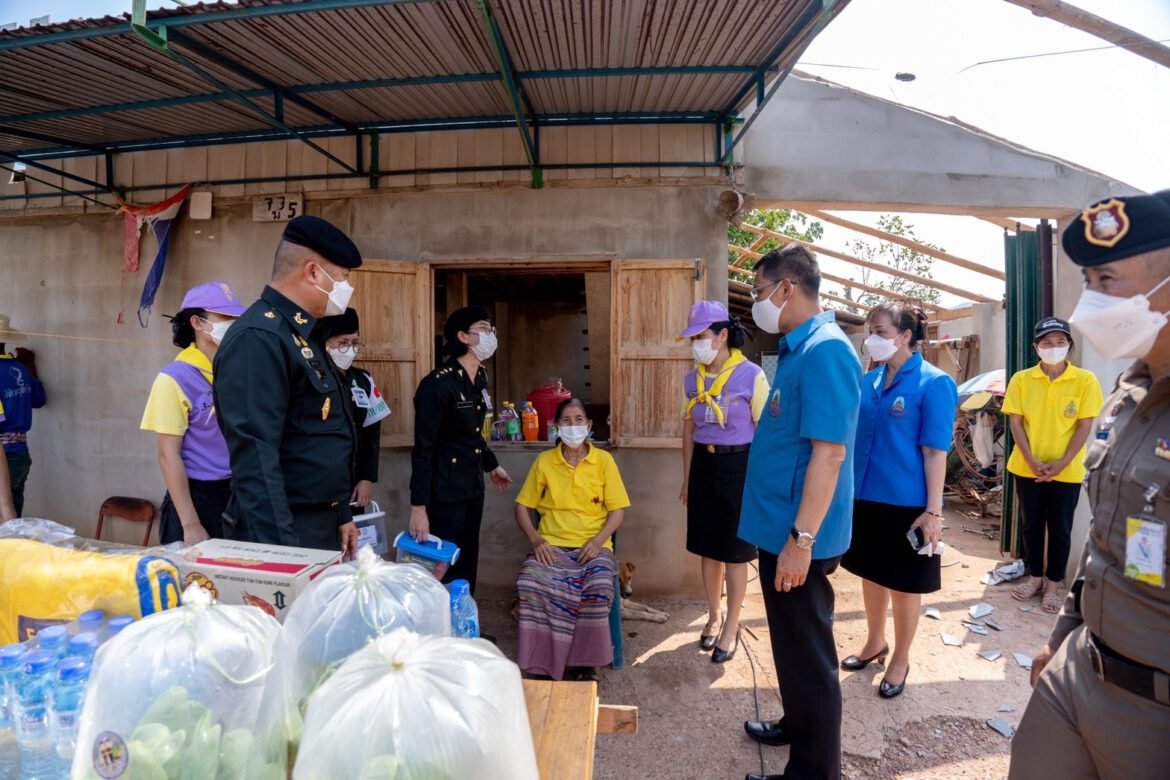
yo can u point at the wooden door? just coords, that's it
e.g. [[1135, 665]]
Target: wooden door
[[393, 301], [651, 302]]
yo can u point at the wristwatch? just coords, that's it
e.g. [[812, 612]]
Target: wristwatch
[[804, 540]]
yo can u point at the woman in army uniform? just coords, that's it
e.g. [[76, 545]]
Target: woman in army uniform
[[450, 454]]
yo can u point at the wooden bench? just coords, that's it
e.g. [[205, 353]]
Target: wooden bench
[[566, 718]]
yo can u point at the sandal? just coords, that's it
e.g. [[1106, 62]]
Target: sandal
[[1052, 601], [1027, 590]]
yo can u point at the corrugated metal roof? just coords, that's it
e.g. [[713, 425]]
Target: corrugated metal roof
[[352, 64]]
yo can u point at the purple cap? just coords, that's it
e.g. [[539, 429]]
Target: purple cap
[[215, 297], [703, 315]]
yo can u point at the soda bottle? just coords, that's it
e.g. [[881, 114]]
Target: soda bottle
[[531, 422], [38, 759], [464, 612], [515, 433], [65, 710], [10, 671]]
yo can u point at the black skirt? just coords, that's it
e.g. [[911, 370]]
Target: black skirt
[[713, 500], [881, 553], [210, 498]]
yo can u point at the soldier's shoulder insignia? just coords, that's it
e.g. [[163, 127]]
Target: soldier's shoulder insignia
[[270, 314], [299, 319]]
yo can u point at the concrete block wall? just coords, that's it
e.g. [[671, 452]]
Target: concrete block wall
[[63, 273]]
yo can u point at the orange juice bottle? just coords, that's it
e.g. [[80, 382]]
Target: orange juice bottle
[[531, 422]]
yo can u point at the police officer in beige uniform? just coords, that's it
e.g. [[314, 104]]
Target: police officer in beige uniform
[[1101, 704]]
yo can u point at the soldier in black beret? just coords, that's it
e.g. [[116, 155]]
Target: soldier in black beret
[[452, 410], [283, 405], [1101, 704]]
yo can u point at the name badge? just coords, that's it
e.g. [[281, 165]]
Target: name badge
[[1145, 550], [487, 399], [360, 399], [710, 413], [464, 404]]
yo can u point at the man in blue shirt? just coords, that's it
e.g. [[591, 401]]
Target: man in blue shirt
[[21, 392], [797, 506]]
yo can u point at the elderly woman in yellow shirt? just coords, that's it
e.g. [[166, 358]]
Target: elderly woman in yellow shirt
[[1051, 408], [576, 494]]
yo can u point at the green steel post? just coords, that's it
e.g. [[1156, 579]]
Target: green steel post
[[373, 159]]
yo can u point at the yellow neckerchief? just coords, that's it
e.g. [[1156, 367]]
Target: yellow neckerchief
[[704, 396]]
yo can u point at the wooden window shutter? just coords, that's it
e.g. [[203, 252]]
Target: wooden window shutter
[[651, 302], [393, 301]]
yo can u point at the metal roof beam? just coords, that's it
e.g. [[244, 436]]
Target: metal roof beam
[[56, 171], [516, 95], [49, 139], [822, 17], [280, 92], [174, 22]]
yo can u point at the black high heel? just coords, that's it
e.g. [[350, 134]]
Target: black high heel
[[889, 691], [707, 641], [855, 664], [721, 656]]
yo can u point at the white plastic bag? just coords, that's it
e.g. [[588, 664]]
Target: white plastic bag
[[410, 707], [176, 694], [338, 614]]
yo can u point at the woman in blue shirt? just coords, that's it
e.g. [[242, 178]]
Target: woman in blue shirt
[[904, 430]]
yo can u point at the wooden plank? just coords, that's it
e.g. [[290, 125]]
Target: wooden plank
[[1009, 224], [537, 696], [581, 149], [966, 294], [627, 147], [274, 162], [225, 162], [617, 719], [908, 243], [570, 732], [554, 150], [489, 150], [396, 153], [444, 153], [651, 150], [1006, 210], [951, 314], [466, 152]]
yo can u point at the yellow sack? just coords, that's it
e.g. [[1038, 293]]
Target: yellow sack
[[41, 585]]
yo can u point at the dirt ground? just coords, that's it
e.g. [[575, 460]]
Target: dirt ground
[[692, 710]]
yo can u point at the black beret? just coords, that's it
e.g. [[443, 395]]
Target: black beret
[[325, 239], [1117, 228], [1050, 325], [462, 319], [340, 324]]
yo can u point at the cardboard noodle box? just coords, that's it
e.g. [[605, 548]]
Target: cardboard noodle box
[[259, 575]]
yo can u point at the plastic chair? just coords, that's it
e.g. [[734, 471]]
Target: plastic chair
[[615, 614], [136, 510]]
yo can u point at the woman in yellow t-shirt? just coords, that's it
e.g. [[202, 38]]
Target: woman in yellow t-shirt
[[1051, 407], [575, 493]]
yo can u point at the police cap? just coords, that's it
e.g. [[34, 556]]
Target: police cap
[[325, 239], [340, 324], [1117, 228]]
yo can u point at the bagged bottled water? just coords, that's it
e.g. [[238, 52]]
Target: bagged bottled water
[[10, 671], [464, 612], [65, 710], [38, 760]]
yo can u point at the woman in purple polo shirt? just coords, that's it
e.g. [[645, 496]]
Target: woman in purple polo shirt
[[191, 449], [725, 394]]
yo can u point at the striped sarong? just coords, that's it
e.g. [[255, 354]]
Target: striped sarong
[[564, 613]]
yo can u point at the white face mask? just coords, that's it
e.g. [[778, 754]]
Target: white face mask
[[1119, 327], [703, 352], [880, 349], [486, 346], [1053, 356], [338, 297], [573, 435], [343, 357], [767, 314], [218, 329]]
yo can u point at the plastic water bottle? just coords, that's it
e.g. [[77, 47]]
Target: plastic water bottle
[[67, 698], [83, 645], [54, 639], [92, 621], [464, 612], [116, 624], [10, 671], [38, 759]]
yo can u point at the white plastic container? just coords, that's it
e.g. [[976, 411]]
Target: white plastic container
[[372, 529]]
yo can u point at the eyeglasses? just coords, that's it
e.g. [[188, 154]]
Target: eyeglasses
[[483, 331], [756, 292], [346, 348]]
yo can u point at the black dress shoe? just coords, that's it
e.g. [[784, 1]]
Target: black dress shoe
[[763, 777], [888, 691], [721, 656], [767, 732], [855, 664], [707, 641]]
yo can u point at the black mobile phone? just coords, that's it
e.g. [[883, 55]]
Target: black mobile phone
[[917, 540]]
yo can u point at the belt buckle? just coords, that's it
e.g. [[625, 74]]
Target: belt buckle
[[711, 448], [1095, 657]]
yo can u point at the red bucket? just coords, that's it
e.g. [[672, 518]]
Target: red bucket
[[545, 400]]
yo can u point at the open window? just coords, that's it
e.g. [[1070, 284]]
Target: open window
[[605, 328]]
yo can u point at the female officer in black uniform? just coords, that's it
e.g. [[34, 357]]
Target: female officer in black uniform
[[369, 408], [450, 454]]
